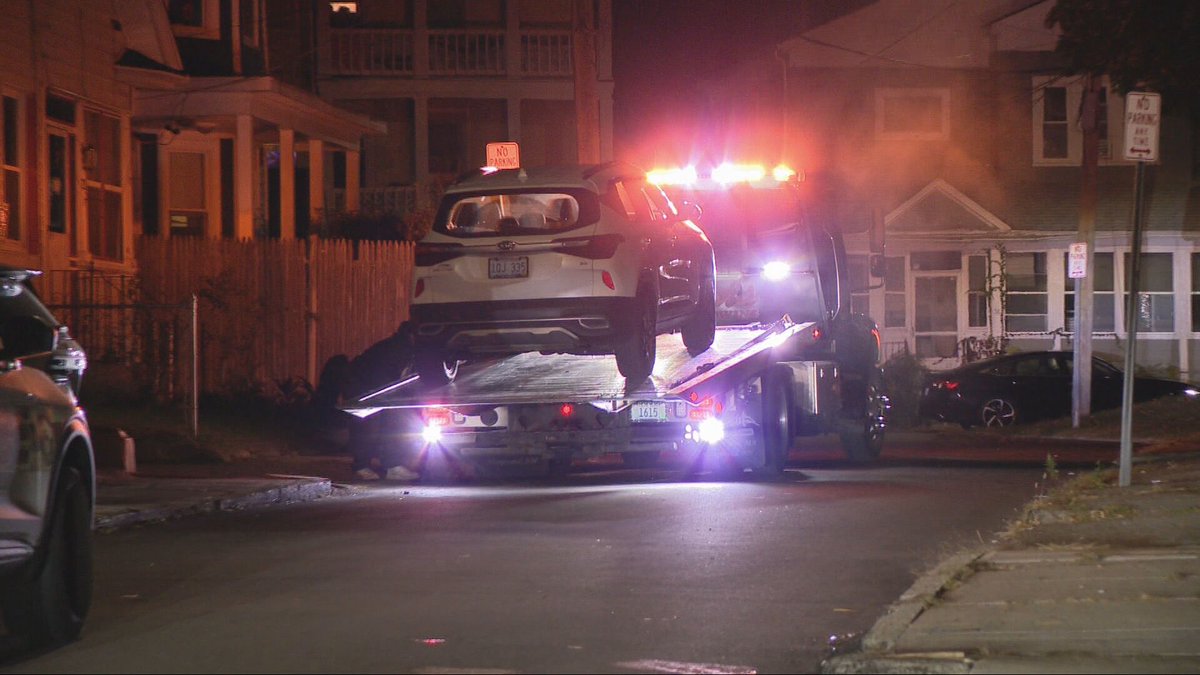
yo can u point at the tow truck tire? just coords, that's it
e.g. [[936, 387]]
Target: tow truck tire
[[775, 423], [701, 328], [433, 367], [862, 432], [637, 352]]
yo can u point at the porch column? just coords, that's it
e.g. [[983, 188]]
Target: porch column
[[420, 39], [287, 184], [243, 178], [512, 45], [316, 182], [606, 125], [514, 119], [421, 139], [353, 181]]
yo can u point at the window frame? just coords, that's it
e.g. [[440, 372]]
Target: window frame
[[89, 180], [1073, 87], [16, 214], [1044, 293], [1125, 276], [1069, 294]]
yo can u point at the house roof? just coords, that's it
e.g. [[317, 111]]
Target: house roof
[[264, 98], [939, 208], [910, 33]]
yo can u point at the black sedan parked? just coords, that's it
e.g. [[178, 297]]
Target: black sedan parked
[[1015, 388]]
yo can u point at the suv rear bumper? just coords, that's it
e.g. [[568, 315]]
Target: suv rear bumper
[[574, 325]]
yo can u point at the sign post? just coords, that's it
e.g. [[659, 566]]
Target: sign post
[[1142, 117]]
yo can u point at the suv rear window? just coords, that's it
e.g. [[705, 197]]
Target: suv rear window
[[532, 212]]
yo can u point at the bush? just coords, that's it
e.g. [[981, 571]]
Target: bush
[[903, 379]]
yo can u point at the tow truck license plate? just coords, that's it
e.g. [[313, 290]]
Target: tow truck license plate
[[648, 411], [508, 268]]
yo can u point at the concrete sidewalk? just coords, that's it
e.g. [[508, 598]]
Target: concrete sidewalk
[[1093, 579], [160, 492]]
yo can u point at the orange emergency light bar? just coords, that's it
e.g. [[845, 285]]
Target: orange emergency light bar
[[725, 175]]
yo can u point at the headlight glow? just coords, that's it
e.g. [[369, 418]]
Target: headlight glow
[[711, 430], [432, 433], [1191, 391], [776, 270]]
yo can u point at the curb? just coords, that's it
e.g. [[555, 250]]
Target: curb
[[299, 489], [874, 656]]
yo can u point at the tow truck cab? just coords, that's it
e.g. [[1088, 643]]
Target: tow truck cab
[[772, 258]]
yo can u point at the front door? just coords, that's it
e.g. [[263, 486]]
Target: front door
[[935, 315]]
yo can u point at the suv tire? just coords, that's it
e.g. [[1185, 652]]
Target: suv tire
[[701, 327], [433, 368], [637, 351]]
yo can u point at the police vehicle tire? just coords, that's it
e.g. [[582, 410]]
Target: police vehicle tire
[[51, 608], [701, 327], [637, 351]]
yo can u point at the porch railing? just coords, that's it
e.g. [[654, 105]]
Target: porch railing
[[450, 53]]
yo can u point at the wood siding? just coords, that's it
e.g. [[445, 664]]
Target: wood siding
[[270, 312]]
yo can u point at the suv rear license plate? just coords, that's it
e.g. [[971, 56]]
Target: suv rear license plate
[[508, 268], [648, 411]]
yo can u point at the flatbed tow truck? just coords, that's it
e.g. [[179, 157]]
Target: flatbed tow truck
[[737, 407]]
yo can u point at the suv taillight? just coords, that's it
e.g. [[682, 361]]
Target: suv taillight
[[599, 247]]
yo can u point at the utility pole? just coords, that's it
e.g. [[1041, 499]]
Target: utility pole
[[587, 100], [1082, 372]]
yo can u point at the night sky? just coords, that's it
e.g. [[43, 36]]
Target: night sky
[[663, 48]]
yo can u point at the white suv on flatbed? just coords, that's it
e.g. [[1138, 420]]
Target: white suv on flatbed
[[572, 259]]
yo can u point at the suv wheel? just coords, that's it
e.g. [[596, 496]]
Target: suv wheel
[[701, 327], [636, 353]]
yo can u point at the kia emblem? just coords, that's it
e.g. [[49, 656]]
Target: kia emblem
[[507, 245]]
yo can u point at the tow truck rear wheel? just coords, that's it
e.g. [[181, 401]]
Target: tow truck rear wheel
[[862, 430], [775, 423], [636, 353]]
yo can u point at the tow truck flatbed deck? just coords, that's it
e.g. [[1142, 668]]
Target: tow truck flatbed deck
[[536, 378]]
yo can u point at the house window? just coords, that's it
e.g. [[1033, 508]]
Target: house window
[[858, 267], [912, 114], [1057, 133], [977, 291], [894, 315], [1196, 292], [12, 166], [189, 210], [102, 157], [1155, 307], [1025, 292], [1103, 296], [195, 18]]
